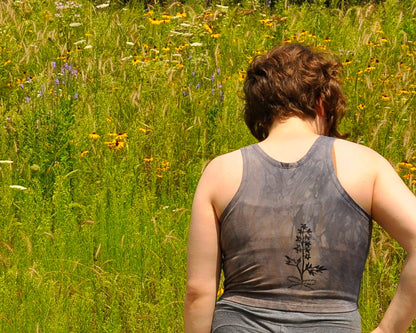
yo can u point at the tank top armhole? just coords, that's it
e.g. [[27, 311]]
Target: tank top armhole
[[233, 201], [332, 171]]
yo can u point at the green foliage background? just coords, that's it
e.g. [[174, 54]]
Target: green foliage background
[[108, 115]]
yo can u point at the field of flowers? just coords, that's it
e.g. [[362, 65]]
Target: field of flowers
[[108, 114]]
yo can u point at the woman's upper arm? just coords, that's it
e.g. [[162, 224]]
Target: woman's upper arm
[[203, 267], [394, 205]]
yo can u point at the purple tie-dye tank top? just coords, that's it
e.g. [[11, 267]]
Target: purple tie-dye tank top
[[292, 238]]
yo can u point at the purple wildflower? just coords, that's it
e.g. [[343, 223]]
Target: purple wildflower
[[212, 77], [27, 99], [53, 64], [184, 93], [198, 85], [56, 81], [76, 96], [193, 74], [218, 71]]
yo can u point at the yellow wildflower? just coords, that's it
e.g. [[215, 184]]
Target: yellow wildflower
[[154, 21], [208, 28], [148, 159], [85, 152], [361, 106], [94, 136], [145, 130], [121, 136], [119, 144], [216, 35], [110, 144]]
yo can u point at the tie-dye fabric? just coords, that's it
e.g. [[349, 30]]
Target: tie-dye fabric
[[292, 238]]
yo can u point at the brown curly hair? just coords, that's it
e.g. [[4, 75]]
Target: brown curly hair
[[290, 80]]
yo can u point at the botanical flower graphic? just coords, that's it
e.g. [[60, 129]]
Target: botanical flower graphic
[[301, 262]]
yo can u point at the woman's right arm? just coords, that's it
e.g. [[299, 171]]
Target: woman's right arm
[[394, 208]]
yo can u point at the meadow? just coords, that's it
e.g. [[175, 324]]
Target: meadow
[[109, 113]]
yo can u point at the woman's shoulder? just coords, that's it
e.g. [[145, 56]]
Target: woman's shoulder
[[357, 157], [225, 165], [355, 151]]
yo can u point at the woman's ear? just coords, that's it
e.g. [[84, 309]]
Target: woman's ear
[[320, 110]]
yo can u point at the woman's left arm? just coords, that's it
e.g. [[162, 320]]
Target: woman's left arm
[[203, 266]]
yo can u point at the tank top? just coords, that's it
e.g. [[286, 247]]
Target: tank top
[[292, 238]]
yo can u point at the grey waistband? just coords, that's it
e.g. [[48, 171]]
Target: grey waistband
[[231, 317]]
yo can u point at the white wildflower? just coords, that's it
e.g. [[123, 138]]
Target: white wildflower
[[6, 162], [103, 5], [75, 24], [196, 44], [18, 187]]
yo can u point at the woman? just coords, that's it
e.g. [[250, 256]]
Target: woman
[[289, 219]]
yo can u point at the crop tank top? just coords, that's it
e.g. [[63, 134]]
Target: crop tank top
[[292, 238]]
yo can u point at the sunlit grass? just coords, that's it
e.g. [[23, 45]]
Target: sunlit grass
[[108, 115]]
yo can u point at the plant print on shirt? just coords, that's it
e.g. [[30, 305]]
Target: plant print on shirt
[[301, 261]]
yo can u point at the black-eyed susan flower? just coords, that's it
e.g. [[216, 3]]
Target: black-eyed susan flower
[[361, 106], [208, 28], [121, 136], [110, 144], [145, 130], [148, 159], [216, 35], [83, 153], [347, 62], [385, 97], [119, 144], [369, 68], [94, 136]]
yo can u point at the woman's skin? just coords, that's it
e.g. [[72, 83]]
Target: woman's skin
[[366, 176]]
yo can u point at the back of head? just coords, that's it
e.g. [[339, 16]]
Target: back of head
[[290, 81]]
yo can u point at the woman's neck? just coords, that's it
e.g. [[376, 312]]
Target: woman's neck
[[295, 127]]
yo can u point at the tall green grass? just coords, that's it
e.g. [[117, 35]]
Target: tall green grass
[[107, 118]]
